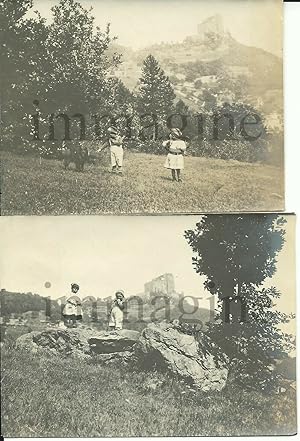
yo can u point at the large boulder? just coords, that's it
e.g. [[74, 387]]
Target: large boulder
[[195, 359], [81, 342], [64, 342]]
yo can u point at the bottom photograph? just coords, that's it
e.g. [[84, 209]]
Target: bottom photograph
[[148, 326]]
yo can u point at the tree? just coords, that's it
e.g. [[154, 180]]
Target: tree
[[21, 50], [236, 254], [66, 66], [236, 251], [155, 94], [237, 131]]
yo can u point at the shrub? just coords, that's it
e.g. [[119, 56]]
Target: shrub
[[148, 146], [244, 151]]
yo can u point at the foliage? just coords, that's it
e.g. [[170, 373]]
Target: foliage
[[64, 66], [254, 344], [237, 251], [243, 151], [236, 254], [155, 94], [18, 303]]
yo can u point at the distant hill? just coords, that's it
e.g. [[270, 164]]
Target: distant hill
[[17, 304], [256, 73]]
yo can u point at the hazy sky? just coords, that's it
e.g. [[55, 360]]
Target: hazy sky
[[139, 23], [106, 253]]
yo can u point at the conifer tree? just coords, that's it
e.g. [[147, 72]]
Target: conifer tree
[[156, 94]]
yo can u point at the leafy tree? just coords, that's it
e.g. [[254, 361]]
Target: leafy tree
[[236, 254], [236, 251], [186, 116], [209, 99], [66, 66], [21, 50], [155, 94]]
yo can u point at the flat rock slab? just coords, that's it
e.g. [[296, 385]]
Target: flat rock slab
[[113, 342]]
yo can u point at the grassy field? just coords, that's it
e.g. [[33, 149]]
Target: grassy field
[[209, 185], [46, 397]]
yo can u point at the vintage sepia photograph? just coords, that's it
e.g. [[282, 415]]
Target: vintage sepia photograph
[[139, 106], [148, 325]]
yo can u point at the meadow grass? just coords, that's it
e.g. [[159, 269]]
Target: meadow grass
[[209, 185], [52, 396]]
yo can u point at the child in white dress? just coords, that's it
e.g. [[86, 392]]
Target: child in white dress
[[176, 147], [72, 311], [116, 314]]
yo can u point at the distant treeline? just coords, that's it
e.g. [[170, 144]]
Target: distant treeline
[[19, 303]]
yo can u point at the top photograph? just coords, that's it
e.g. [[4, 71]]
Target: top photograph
[[141, 107]]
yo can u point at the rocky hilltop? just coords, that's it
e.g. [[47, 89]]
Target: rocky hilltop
[[211, 59]]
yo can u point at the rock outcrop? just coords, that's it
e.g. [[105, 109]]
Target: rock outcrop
[[62, 342], [194, 359], [81, 342], [111, 342]]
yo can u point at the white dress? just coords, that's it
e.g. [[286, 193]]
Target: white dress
[[174, 160], [116, 315]]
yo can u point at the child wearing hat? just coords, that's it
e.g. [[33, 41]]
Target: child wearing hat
[[115, 142], [116, 312], [72, 310], [176, 147]]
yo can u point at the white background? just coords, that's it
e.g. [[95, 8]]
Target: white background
[[292, 132]]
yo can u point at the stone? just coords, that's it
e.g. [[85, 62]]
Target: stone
[[196, 360], [192, 358], [114, 342], [81, 343], [56, 341], [122, 358]]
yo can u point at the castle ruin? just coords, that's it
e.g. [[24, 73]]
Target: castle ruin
[[163, 284]]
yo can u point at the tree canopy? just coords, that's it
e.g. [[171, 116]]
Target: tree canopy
[[236, 254], [236, 251]]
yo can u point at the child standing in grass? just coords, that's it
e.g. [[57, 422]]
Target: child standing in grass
[[116, 314], [176, 148], [115, 142]]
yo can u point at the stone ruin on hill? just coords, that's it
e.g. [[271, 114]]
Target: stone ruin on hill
[[160, 345]]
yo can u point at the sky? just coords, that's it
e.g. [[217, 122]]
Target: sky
[[139, 23], [106, 253]]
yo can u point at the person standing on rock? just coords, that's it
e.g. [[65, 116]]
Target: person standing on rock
[[116, 313], [72, 311]]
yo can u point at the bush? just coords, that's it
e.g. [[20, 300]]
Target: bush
[[148, 146], [244, 151]]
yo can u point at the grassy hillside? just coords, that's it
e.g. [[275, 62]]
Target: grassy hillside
[[46, 397], [209, 185]]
